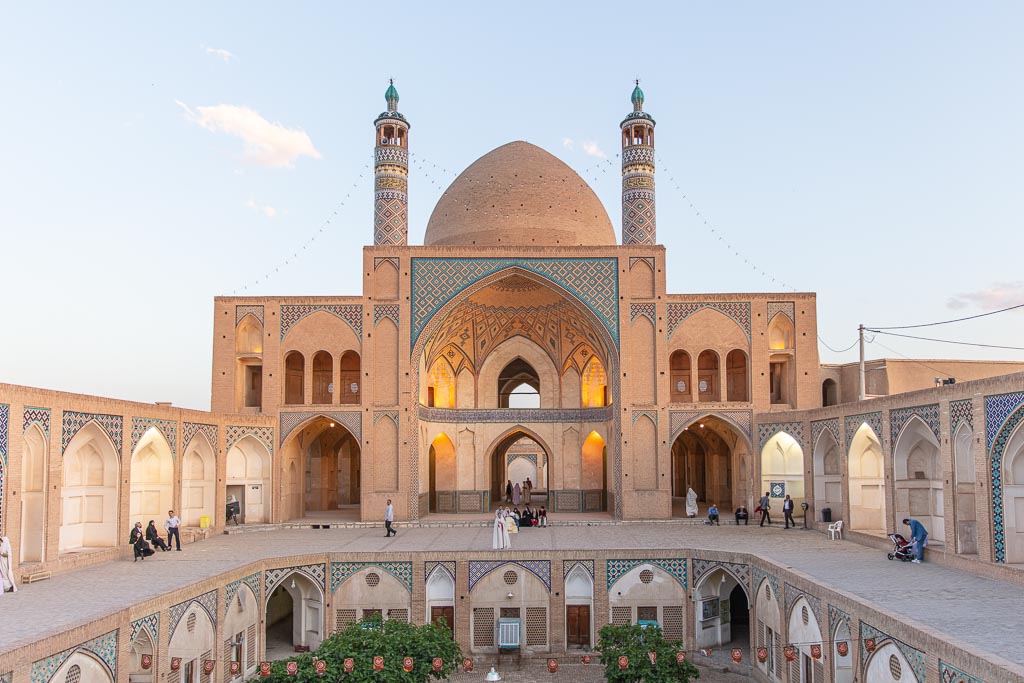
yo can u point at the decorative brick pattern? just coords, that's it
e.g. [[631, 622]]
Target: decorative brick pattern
[[819, 426], [680, 419], [379, 260], [340, 571], [317, 573], [207, 601], [914, 656], [961, 412], [647, 310], [649, 260], [786, 308], [390, 414], [73, 422], [478, 569], [740, 572], [190, 429], [350, 420], [950, 674], [676, 568], [853, 422], [254, 310], [652, 415], [899, 418], [350, 313], [231, 590], [760, 576], [767, 431], [793, 594], [265, 435], [1002, 415], [638, 208], [389, 311], [150, 624], [104, 647], [592, 281], [569, 565], [445, 566], [836, 617], [39, 416], [169, 428], [5, 424], [739, 311]]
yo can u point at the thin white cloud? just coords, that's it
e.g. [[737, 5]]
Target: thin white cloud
[[266, 143], [999, 295], [218, 52], [265, 209], [591, 148], [568, 143]]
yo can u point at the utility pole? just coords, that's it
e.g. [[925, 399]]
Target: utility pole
[[863, 393]]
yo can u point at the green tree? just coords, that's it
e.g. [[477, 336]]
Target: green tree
[[636, 643], [362, 641]]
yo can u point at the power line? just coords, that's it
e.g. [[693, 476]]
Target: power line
[[905, 357], [855, 342], [948, 341], [946, 322]]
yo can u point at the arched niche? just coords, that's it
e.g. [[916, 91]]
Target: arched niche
[[323, 378], [803, 632], [579, 609], [294, 378], [193, 641], [782, 461], [294, 615], [768, 632], [350, 383], [511, 350], [842, 664], [918, 479], [887, 664], [198, 481], [866, 482], [680, 382], [247, 478], [440, 598], [722, 614], [709, 386], [1013, 497], [737, 376], [442, 474], [529, 603], [241, 633], [441, 385], [152, 478], [249, 336], [371, 590], [89, 492], [82, 666], [34, 462], [828, 478], [141, 652], [649, 593], [594, 387]]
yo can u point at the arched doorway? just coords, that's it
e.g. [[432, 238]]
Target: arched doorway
[[192, 642], [579, 609], [866, 482], [722, 611], [782, 472], [247, 478], [89, 492], [964, 479], [198, 481], [828, 479], [440, 597], [33, 494], [842, 653], [515, 445], [769, 630], [1013, 497], [322, 466], [803, 632], [442, 480], [705, 457], [241, 624], [829, 393], [917, 474], [142, 665], [518, 386], [294, 616]]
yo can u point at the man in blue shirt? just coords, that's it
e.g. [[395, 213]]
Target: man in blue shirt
[[919, 535]]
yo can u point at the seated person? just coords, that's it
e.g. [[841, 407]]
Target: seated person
[[528, 518], [138, 541], [542, 516], [713, 514], [154, 537], [741, 513], [518, 517]]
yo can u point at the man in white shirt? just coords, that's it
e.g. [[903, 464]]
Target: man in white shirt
[[389, 517], [172, 524]]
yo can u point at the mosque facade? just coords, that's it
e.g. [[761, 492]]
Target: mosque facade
[[521, 340]]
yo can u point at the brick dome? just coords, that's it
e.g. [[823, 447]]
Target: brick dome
[[519, 195]]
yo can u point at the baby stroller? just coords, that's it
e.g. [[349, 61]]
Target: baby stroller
[[902, 549]]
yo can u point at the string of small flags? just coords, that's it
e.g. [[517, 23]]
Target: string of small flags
[[718, 235], [364, 171]]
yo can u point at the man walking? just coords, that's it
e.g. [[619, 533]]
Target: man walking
[[389, 517], [763, 504], [919, 535], [172, 524], [787, 511]]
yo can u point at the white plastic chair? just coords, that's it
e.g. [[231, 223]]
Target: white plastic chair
[[835, 530]]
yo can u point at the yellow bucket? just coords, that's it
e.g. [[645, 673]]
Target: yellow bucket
[[204, 522]]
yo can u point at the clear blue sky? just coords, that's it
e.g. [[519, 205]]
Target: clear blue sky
[[152, 158]]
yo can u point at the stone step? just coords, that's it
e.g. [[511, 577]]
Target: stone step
[[449, 524]]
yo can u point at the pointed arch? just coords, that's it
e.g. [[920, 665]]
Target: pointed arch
[[828, 478], [198, 481], [248, 476], [142, 647], [294, 378], [89, 666], [35, 467], [151, 476], [866, 481], [249, 336], [918, 478], [89, 493]]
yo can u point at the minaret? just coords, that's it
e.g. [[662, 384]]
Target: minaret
[[391, 175], [638, 215]]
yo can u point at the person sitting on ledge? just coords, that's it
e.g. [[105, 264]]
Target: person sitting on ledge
[[527, 519], [542, 516], [713, 514], [741, 513]]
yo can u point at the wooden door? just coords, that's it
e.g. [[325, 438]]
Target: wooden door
[[447, 611], [577, 626]]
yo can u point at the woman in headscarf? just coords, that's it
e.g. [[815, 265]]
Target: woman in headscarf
[[691, 503], [506, 528], [138, 541], [517, 494], [6, 566], [154, 537], [499, 535]]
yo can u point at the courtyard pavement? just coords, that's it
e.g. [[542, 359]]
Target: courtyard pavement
[[983, 615]]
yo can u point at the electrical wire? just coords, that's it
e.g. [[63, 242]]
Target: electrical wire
[[827, 346], [947, 341], [946, 322], [908, 358]]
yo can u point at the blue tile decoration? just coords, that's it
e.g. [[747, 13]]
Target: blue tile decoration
[[652, 415], [760, 576], [914, 656], [1003, 413], [389, 311], [3, 469], [836, 617], [680, 419], [819, 426], [767, 431], [317, 573], [254, 310], [265, 435], [478, 569], [676, 568], [447, 566], [5, 422], [738, 311], [231, 590], [569, 565], [6, 678], [899, 417], [190, 429], [104, 648], [853, 423], [648, 310], [592, 281], [207, 602], [169, 428], [349, 313], [793, 594], [149, 624], [73, 421], [740, 572], [786, 308], [341, 571], [950, 674], [532, 457], [352, 420], [961, 412], [777, 489], [39, 416]]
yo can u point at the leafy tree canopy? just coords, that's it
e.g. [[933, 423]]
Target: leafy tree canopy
[[637, 643]]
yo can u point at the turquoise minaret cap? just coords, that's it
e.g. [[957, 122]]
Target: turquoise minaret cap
[[637, 97], [391, 95]]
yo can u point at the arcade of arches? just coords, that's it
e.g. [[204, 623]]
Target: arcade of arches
[[712, 457]]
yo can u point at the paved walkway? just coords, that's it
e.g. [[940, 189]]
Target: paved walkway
[[981, 614]]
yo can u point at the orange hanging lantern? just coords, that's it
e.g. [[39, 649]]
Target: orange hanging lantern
[[790, 653], [737, 655], [680, 657], [869, 644], [623, 662], [320, 667], [235, 667], [292, 668], [467, 664], [407, 664], [349, 665], [378, 663], [437, 664], [147, 661], [587, 659], [843, 648], [264, 669], [208, 666], [762, 654], [175, 663], [552, 666], [816, 651]]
